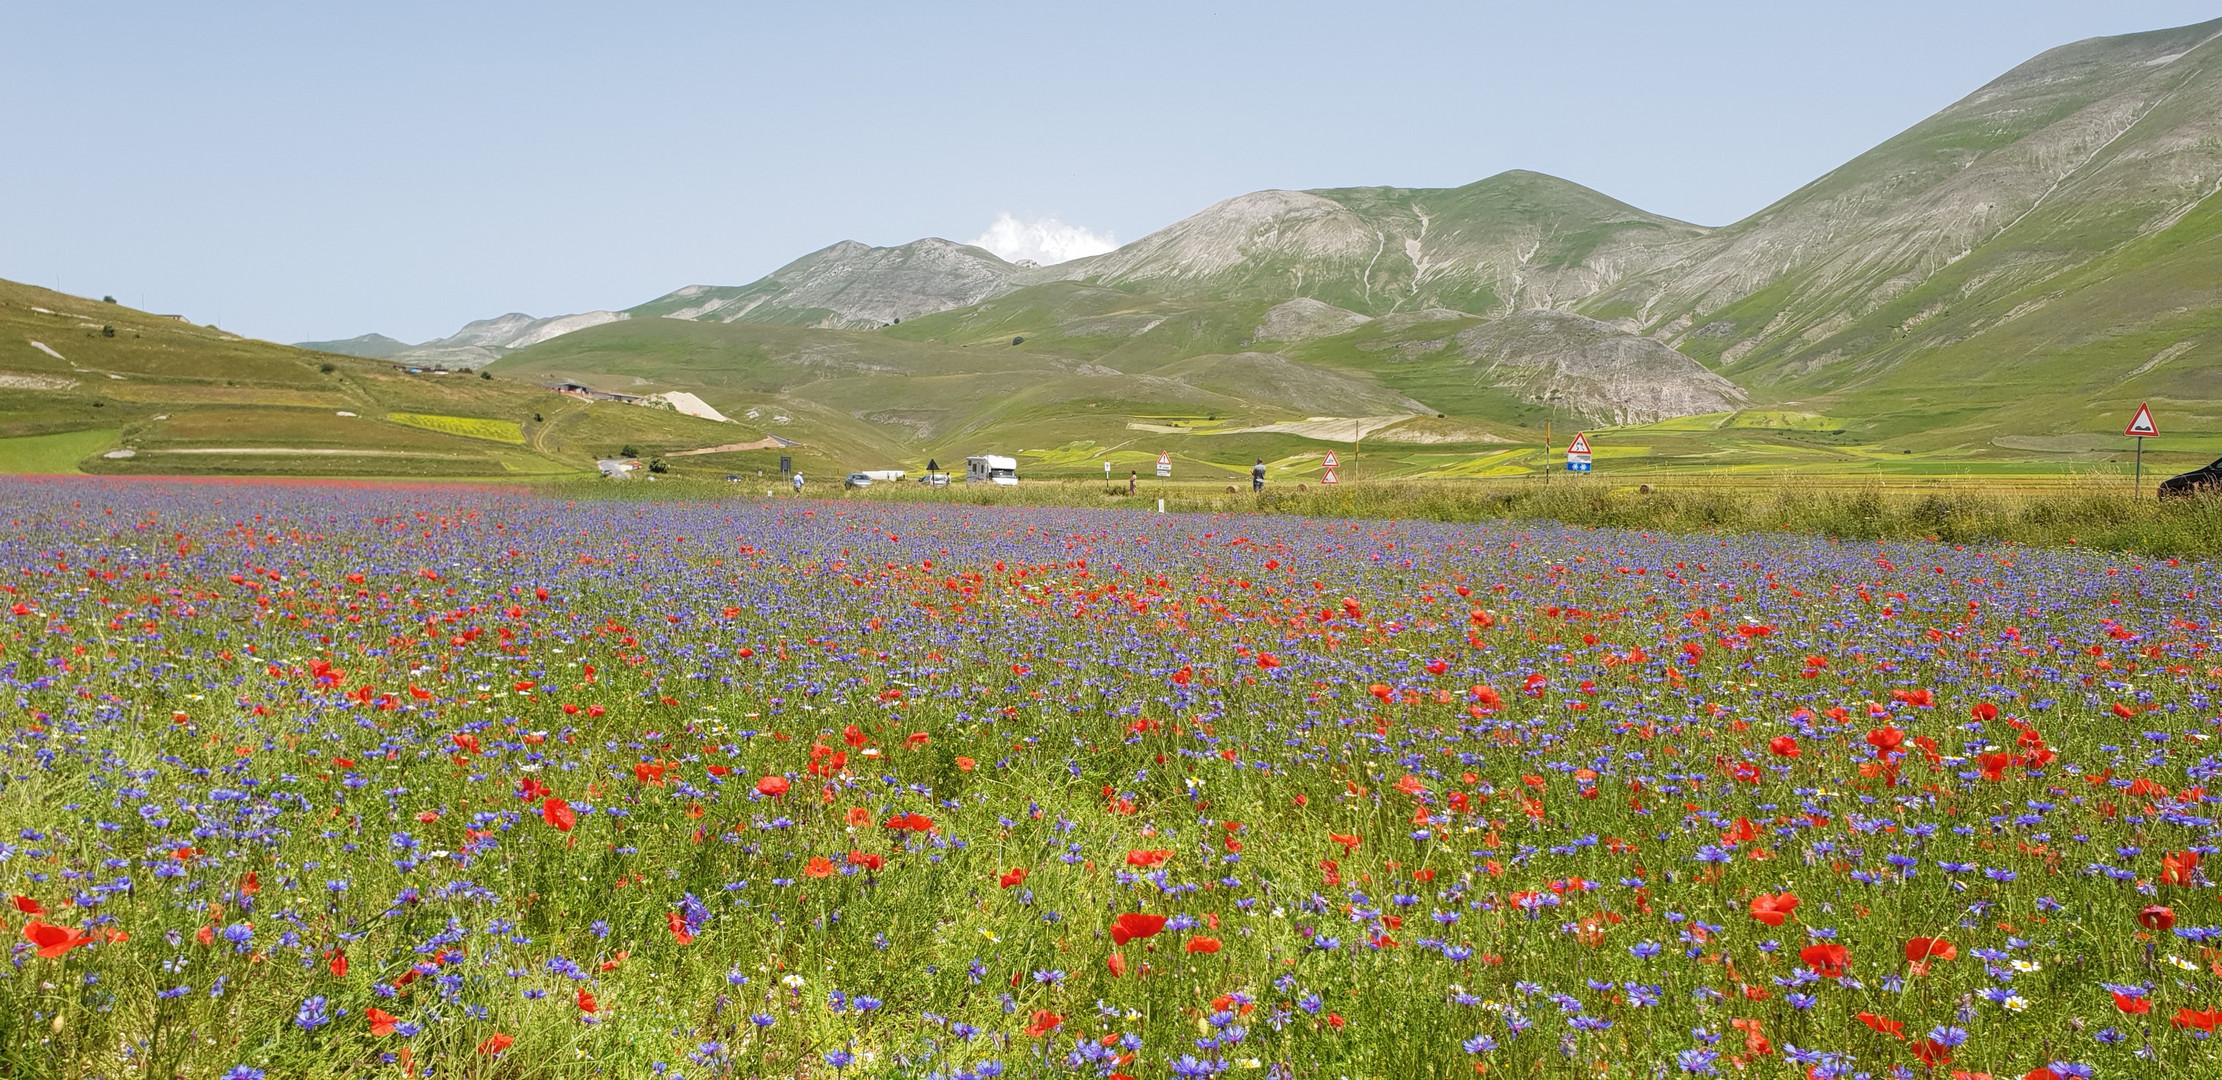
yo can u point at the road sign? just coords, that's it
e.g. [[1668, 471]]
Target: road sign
[[2141, 428], [1577, 466], [1331, 462], [786, 465], [1164, 465], [1577, 453], [1329, 478]]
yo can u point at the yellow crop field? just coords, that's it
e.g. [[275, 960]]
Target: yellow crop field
[[469, 427]]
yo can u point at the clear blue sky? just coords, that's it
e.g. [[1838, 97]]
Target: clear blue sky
[[313, 170]]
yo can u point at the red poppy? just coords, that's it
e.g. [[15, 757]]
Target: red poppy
[[1016, 875], [1883, 1024], [2134, 1006], [679, 931], [381, 1021], [1783, 746], [338, 966], [1201, 944], [2195, 1018], [1921, 949], [586, 1001], [819, 866], [1043, 1023], [1349, 843], [1830, 960], [913, 822], [1885, 739], [1932, 1053], [1116, 962], [1134, 925], [2157, 918], [1773, 910], [53, 941], [28, 906], [558, 813], [495, 1044], [869, 860], [772, 786], [1147, 859], [2176, 868]]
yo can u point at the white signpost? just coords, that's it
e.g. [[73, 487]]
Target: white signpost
[[2141, 427], [1330, 464], [1577, 453], [1164, 466]]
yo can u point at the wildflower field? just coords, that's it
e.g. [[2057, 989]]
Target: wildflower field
[[316, 781]]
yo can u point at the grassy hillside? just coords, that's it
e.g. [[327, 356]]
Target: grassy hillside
[[890, 399], [87, 385]]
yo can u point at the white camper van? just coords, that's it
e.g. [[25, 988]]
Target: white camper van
[[991, 469]]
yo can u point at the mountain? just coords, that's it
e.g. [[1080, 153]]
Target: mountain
[[368, 346], [1515, 240], [477, 344], [2051, 231], [850, 286]]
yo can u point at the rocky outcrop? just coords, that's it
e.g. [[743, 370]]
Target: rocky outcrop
[[1306, 319], [1592, 369]]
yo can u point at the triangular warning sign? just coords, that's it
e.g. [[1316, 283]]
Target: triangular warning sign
[[1580, 445], [2143, 425], [1331, 462], [1164, 459], [1329, 478]]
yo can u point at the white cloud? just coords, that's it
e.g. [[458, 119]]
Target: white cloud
[[1044, 240]]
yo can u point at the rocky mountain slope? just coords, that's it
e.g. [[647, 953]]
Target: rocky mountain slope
[[477, 344], [1593, 370], [850, 286], [1515, 240]]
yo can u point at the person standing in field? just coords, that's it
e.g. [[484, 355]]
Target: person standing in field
[[798, 483], [1257, 477], [1131, 476]]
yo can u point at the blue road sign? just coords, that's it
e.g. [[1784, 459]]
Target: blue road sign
[[1577, 466]]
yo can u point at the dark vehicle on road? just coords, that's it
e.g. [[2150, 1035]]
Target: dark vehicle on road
[[2200, 481]]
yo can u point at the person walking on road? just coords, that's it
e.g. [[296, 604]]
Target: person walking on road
[[1257, 477]]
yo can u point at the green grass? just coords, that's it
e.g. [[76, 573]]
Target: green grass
[[2078, 512], [51, 454], [469, 427]]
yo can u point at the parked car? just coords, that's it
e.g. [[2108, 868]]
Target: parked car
[[934, 479], [857, 480], [2206, 480]]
